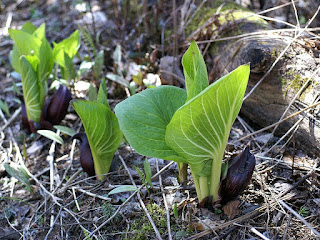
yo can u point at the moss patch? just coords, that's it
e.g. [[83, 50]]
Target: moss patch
[[295, 82], [141, 228]]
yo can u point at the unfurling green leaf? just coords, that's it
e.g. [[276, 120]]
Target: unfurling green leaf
[[31, 87], [199, 130], [195, 71], [175, 211], [32, 58], [102, 93], [64, 52], [69, 46], [102, 130], [147, 171]]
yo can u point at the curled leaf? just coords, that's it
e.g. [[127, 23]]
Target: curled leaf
[[86, 159], [239, 175]]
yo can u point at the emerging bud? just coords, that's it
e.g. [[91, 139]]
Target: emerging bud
[[53, 111], [86, 159], [239, 175], [58, 106]]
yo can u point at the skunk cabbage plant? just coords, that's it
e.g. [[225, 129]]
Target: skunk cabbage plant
[[64, 52], [189, 126], [33, 58], [102, 131]]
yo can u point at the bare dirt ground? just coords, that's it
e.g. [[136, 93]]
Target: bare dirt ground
[[59, 201]]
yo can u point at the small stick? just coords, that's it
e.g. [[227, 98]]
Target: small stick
[[299, 217], [255, 231], [277, 123], [165, 202], [92, 194], [50, 159], [13, 117], [75, 198], [51, 228], [141, 202]]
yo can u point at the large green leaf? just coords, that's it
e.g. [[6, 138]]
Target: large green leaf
[[195, 71], [46, 60], [31, 41], [102, 130], [70, 46], [143, 119], [29, 66], [25, 44], [199, 130]]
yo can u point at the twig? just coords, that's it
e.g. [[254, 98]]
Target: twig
[[92, 194], [75, 198], [277, 123], [299, 217], [50, 159], [296, 96], [129, 199], [13, 117], [141, 202], [295, 126], [165, 203], [252, 34], [54, 198], [68, 168], [195, 12], [145, 19], [282, 196], [51, 228], [255, 231], [180, 79], [281, 54]]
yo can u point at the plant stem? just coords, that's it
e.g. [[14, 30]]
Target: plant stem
[[215, 179], [204, 187], [207, 186]]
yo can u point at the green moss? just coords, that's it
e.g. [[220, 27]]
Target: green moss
[[295, 82], [141, 228], [274, 53]]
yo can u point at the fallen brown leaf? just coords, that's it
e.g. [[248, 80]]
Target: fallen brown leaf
[[231, 209]]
